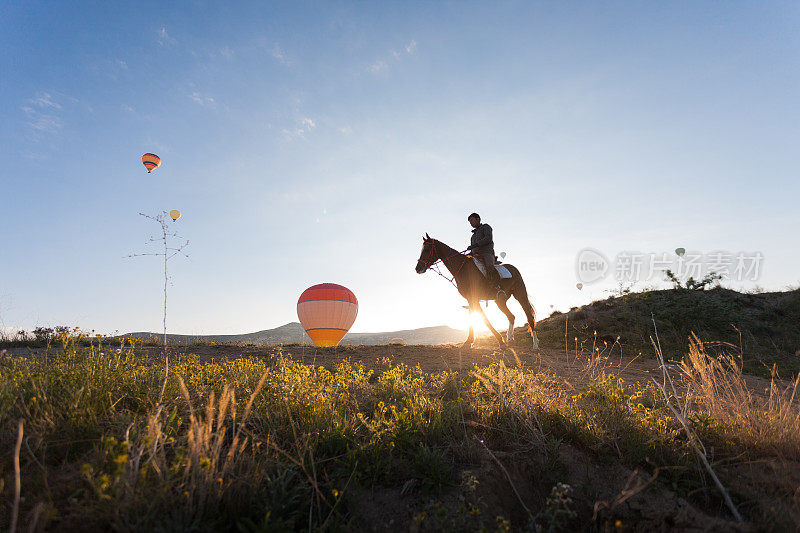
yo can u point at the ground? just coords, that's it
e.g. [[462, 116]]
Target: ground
[[549, 473], [574, 369]]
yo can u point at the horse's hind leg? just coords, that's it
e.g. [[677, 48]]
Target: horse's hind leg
[[521, 295], [506, 311], [491, 327]]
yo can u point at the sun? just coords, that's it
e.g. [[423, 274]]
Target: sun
[[476, 320], [495, 316], [462, 319]]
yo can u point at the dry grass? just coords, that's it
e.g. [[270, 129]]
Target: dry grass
[[274, 444], [760, 420]]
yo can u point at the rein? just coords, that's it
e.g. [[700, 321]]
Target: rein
[[435, 267]]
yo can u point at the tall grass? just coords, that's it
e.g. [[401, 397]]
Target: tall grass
[[252, 444], [767, 420]]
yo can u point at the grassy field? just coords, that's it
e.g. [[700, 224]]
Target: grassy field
[[356, 440], [763, 327]]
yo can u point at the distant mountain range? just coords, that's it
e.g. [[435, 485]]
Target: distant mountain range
[[293, 333]]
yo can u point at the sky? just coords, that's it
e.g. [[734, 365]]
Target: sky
[[317, 142]]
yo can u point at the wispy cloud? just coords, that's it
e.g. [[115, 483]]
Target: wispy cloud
[[128, 109], [278, 53], [378, 66], [42, 116], [382, 66], [226, 52], [164, 38], [408, 49], [156, 145], [203, 100], [114, 69], [33, 156], [304, 126], [43, 123], [44, 100]]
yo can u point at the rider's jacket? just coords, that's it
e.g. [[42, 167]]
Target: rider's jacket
[[481, 242]]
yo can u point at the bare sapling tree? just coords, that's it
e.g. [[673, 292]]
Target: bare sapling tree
[[710, 280], [167, 238]]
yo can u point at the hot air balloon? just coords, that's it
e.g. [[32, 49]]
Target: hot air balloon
[[579, 285], [680, 251], [326, 312], [151, 161], [175, 214]]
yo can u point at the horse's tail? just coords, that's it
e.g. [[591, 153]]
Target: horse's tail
[[521, 295]]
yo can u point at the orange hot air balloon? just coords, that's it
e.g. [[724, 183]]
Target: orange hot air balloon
[[151, 161], [326, 312]]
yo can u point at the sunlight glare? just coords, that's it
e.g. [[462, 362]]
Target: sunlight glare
[[477, 322], [461, 319]]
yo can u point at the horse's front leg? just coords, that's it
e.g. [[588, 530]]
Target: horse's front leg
[[471, 338]]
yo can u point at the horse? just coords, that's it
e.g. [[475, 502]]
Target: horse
[[473, 286]]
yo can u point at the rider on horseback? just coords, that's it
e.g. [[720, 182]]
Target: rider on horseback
[[482, 247]]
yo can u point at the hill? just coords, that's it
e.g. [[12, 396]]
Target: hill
[[762, 327], [293, 333]]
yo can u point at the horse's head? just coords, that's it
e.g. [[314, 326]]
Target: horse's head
[[428, 256]]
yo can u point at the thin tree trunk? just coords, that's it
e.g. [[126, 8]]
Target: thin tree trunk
[[166, 278]]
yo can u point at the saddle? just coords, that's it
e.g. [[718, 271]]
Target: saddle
[[501, 269]]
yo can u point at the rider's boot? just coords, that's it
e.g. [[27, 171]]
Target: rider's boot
[[494, 279]]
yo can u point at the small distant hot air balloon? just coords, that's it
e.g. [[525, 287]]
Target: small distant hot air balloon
[[175, 214], [326, 312], [680, 251], [579, 285], [150, 161], [502, 255]]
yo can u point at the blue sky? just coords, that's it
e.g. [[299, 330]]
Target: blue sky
[[308, 143]]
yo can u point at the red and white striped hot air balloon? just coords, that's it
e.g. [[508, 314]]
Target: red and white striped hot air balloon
[[150, 161], [326, 312]]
